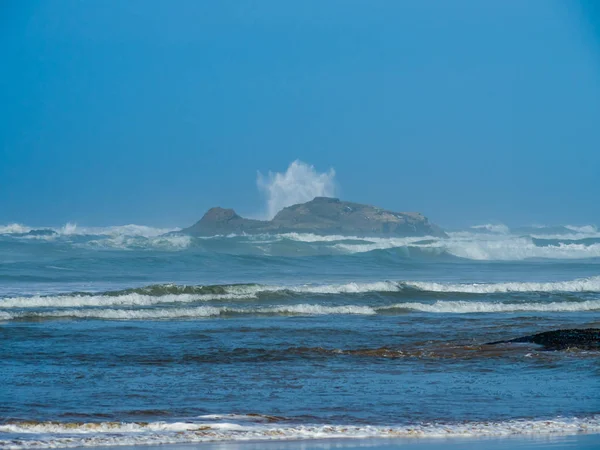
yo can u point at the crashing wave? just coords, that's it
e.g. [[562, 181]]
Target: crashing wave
[[303, 309], [465, 307], [172, 293], [71, 229], [139, 242], [585, 229], [218, 428], [591, 284], [190, 313], [480, 243], [498, 247], [492, 228], [14, 228]]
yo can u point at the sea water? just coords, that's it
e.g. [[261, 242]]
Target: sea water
[[127, 335]]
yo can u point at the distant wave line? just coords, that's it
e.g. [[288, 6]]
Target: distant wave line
[[471, 245], [304, 309]]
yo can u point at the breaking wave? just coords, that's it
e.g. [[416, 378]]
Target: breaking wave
[[173, 293], [139, 242], [71, 229], [465, 307], [498, 246], [591, 284], [216, 428], [191, 313], [492, 228], [585, 229], [14, 228], [480, 243], [170, 301], [443, 307]]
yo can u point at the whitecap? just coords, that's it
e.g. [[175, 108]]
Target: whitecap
[[591, 284], [14, 228], [238, 429], [492, 228], [468, 307]]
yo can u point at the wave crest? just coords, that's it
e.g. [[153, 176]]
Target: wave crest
[[215, 428], [158, 294], [480, 243], [465, 307], [591, 284]]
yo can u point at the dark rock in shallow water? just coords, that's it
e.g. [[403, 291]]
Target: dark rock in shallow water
[[585, 339], [323, 215]]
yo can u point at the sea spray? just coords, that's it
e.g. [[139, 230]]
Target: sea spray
[[298, 184]]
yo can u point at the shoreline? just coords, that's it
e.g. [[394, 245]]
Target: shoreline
[[581, 441], [244, 435]]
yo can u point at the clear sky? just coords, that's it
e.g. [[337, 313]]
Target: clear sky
[[150, 112]]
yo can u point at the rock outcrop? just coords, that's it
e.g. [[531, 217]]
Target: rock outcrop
[[584, 339], [323, 216]]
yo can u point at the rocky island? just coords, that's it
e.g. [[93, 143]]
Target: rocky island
[[322, 215]]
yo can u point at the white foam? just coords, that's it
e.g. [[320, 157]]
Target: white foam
[[14, 228], [493, 228], [127, 230], [54, 435], [566, 237], [464, 307], [585, 229], [126, 242], [300, 183], [304, 309], [310, 237], [498, 246], [68, 229], [253, 291], [495, 244], [115, 230], [359, 244], [128, 314], [463, 245], [386, 243], [516, 249], [132, 299], [74, 229], [125, 237], [191, 313], [503, 248], [591, 284], [232, 292], [348, 288], [317, 310]]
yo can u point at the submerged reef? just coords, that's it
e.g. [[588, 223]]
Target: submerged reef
[[584, 339]]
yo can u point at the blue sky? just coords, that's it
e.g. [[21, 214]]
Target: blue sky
[[150, 112]]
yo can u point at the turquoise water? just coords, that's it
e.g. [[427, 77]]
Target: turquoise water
[[126, 336]]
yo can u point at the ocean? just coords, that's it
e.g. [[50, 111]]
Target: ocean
[[127, 336]]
